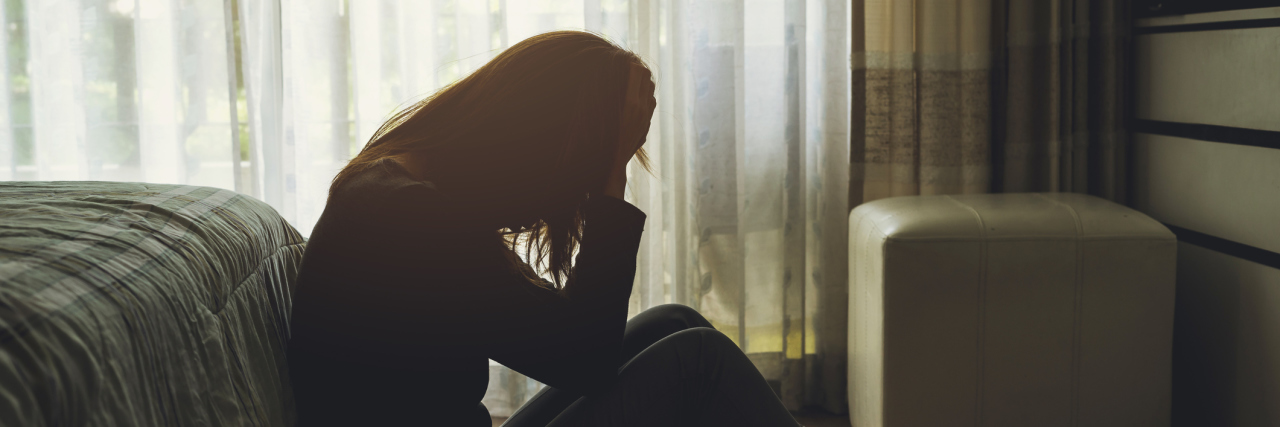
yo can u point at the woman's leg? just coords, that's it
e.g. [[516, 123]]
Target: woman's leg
[[693, 377], [657, 323], [641, 331]]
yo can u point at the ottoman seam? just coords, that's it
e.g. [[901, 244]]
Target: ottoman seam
[[1076, 312], [980, 382]]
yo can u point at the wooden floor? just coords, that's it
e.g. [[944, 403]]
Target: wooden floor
[[806, 418]]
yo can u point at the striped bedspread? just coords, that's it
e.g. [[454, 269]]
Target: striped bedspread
[[143, 305]]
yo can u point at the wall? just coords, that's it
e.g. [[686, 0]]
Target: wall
[[1206, 161]]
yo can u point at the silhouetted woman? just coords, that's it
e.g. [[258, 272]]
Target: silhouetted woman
[[410, 279]]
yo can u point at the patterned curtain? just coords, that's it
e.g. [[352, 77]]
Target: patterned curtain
[[922, 103], [971, 96]]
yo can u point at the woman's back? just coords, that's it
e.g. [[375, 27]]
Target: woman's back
[[363, 316]]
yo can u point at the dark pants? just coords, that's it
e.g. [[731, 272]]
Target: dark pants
[[676, 370]]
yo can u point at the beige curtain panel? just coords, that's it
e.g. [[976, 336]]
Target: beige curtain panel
[[922, 125], [972, 96]]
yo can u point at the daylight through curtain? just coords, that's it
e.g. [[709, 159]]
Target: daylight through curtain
[[750, 141]]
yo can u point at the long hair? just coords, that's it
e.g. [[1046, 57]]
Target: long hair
[[520, 143]]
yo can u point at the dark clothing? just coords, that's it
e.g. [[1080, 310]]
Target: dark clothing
[[679, 371], [401, 298], [641, 332]]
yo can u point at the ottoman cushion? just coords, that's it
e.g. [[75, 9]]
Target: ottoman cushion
[[1009, 310]]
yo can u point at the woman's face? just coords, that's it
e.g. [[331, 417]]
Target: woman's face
[[647, 87], [638, 109]]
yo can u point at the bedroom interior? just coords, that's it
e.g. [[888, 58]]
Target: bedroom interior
[[903, 212]]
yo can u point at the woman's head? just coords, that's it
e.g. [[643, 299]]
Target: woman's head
[[520, 142]]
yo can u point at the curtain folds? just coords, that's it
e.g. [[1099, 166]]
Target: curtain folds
[[922, 98], [748, 200], [972, 96], [116, 91], [1060, 98]]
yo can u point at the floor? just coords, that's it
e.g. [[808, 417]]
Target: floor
[[806, 418]]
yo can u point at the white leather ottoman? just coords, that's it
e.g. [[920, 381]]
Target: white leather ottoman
[[1048, 309]]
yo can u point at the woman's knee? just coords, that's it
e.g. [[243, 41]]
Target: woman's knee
[[676, 314], [657, 323], [694, 352], [706, 336], [707, 343]]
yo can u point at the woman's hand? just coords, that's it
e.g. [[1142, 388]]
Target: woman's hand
[[637, 113]]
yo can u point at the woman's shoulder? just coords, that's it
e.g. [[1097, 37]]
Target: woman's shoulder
[[380, 176], [384, 180], [384, 191]]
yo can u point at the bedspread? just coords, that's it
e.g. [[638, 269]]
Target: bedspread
[[125, 304]]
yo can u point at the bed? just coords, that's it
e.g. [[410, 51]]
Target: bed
[[143, 305]]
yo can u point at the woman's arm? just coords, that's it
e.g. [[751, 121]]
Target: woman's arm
[[473, 302], [579, 348]]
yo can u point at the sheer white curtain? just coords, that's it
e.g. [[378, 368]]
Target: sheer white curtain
[[750, 141], [116, 90]]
